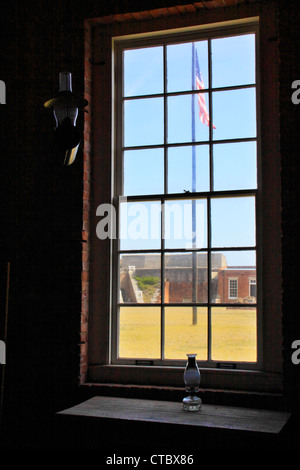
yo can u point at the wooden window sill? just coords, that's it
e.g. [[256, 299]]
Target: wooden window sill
[[164, 412]]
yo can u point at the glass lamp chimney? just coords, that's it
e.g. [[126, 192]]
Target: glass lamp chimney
[[65, 81], [66, 110]]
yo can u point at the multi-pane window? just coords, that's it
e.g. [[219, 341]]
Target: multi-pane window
[[252, 288], [186, 177], [233, 288]]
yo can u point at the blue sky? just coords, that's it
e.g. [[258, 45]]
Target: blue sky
[[233, 114]]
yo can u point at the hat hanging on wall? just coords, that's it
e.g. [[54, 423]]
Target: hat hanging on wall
[[65, 106]]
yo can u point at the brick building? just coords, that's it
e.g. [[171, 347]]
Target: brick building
[[228, 284], [237, 285]]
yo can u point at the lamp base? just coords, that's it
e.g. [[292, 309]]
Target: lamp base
[[192, 403]]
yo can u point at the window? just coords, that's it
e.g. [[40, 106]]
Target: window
[[233, 288], [252, 288], [186, 183], [159, 286]]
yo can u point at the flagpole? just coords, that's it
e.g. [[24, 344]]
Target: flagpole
[[193, 125], [194, 254]]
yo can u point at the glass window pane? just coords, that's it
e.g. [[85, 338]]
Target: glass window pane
[[139, 279], [139, 332], [232, 328], [233, 221], [234, 114], [185, 224], [143, 122], [181, 116], [235, 166], [140, 225], [180, 68], [234, 334], [143, 71], [181, 170], [143, 172], [233, 276], [185, 277], [185, 332], [233, 60]]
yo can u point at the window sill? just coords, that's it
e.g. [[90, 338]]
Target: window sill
[[118, 412], [243, 419]]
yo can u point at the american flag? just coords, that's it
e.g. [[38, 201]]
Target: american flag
[[203, 113]]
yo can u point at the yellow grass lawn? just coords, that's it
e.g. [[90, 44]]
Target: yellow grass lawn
[[233, 333]]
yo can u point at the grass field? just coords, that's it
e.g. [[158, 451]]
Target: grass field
[[233, 333]]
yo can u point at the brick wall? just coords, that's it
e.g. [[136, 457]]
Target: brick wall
[[86, 204]]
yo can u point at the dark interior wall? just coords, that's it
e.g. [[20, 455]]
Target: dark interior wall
[[42, 203], [42, 208], [289, 53]]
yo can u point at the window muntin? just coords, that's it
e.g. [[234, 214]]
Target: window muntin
[[225, 182]]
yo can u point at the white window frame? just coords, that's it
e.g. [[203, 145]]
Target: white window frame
[[131, 42], [235, 279], [101, 368]]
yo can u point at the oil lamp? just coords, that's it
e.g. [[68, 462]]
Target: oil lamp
[[65, 109], [191, 379]]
